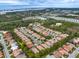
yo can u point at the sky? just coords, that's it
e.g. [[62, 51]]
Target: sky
[[40, 3]]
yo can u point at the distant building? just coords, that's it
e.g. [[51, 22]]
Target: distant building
[[58, 24]]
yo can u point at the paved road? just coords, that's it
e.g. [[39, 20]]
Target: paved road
[[74, 54], [65, 19], [50, 56], [5, 50]]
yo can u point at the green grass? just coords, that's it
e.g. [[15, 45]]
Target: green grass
[[46, 23], [77, 56]]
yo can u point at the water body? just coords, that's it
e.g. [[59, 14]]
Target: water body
[[14, 8], [2, 7], [11, 8]]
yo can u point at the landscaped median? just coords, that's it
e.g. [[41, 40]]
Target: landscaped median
[[43, 53], [43, 48], [40, 43]]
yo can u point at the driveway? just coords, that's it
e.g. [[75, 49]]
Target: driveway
[[74, 54], [5, 50]]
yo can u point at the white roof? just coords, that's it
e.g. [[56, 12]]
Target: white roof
[[14, 47]]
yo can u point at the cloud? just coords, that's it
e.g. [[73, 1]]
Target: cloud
[[68, 1], [9, 1], [36, 2], [42, 3]]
